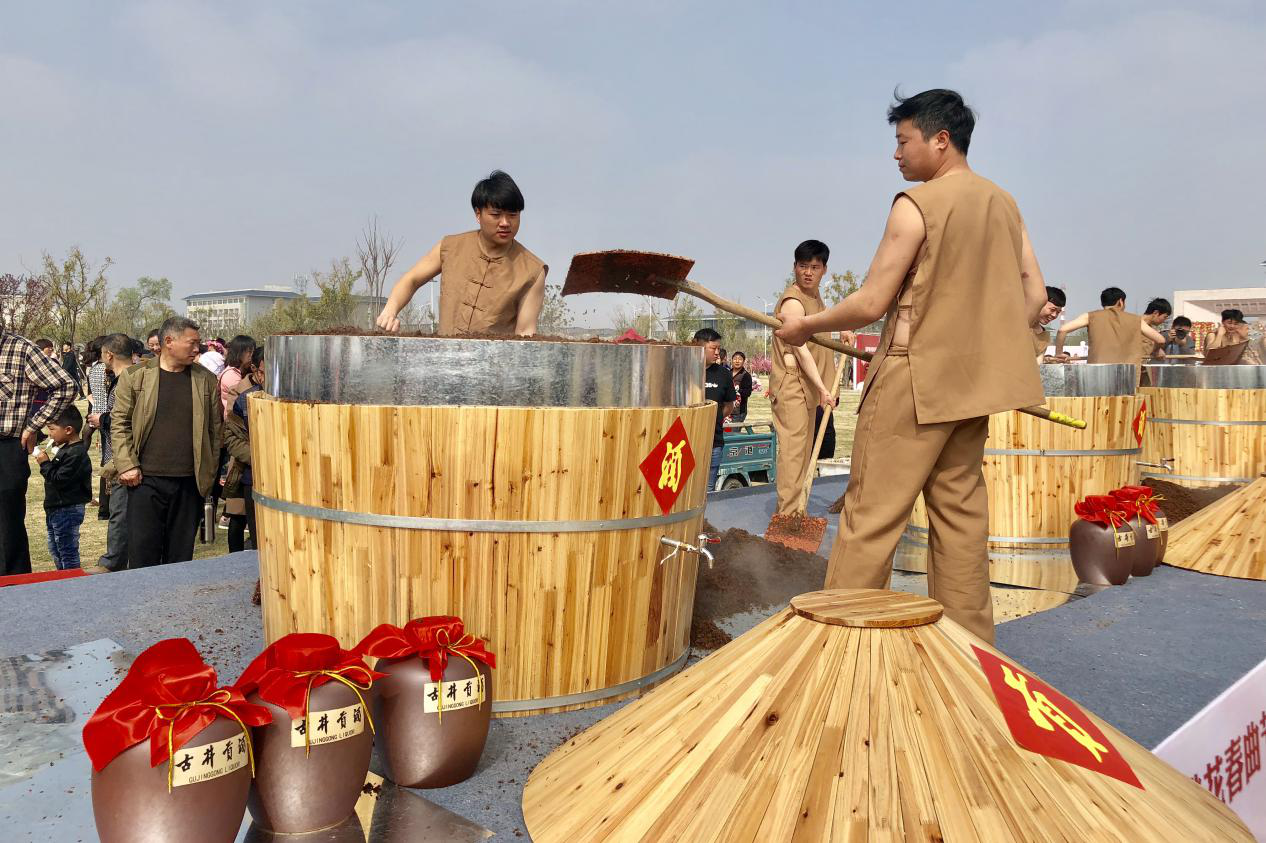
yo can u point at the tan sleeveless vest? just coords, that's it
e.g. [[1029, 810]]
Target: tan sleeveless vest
[[1041, 341], [1115, 336], [823, 357], [481, 294], [971, 347]]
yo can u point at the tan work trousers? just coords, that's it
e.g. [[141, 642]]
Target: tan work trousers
[[794, 414], [894, 459]]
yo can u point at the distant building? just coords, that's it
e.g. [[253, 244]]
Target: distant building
[[222, 311], [1207, 305]]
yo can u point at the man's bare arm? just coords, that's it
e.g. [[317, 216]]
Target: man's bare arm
[[1151, 333], [1067, 328], [903, 235], [420, 273], [1031, 278], [530, 307]]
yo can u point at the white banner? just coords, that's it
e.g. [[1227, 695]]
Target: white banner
[[1221, 748]]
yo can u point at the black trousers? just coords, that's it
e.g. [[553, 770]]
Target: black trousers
[[162, 520], [828, 438], [239, 524], [15, 468]]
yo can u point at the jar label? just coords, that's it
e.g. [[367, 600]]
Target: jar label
[[1162, 522], [459, 693], [193, 764], [337, 724], [1125, 538], [1153, 531]]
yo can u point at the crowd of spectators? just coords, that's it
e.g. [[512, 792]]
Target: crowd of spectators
[[169, 417]]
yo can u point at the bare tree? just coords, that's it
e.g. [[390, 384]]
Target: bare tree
[[74, 287], [377, 251], [24, 304]]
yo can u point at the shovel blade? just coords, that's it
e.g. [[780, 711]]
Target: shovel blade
[[622, 271]]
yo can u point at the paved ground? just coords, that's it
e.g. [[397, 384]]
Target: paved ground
[[1146, 656]]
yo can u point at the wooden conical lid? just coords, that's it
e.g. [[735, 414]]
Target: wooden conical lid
[[1227, 538], [857, 714]]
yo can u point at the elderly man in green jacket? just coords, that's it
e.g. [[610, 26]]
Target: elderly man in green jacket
[[165, 431]]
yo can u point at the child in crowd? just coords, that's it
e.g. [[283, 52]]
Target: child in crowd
[[67, 486]]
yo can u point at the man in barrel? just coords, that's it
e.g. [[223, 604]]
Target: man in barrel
[[1055, 301], [954, 252], [798, 382], [489, 283], [1115, 335], [1233, 332]]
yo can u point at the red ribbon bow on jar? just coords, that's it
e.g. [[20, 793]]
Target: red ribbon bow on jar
[[431, 639], [1142, 498], [168, 696], [1101, 509], [287, 670]]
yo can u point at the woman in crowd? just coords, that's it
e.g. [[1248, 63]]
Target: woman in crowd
[[237, 365], [237, 441], [71, 365], [95, 374]]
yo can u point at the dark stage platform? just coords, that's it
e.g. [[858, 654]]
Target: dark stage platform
[[1146, 657]]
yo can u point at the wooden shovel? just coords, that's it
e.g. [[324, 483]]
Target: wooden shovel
[[798, 531], [664, 276]]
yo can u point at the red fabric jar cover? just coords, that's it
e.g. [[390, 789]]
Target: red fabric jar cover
[[1141, 498], [431, 639], [288, 669], [169, 695], [1102, 509]]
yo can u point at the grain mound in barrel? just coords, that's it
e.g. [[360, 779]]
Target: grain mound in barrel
[[857, 714], [1181, 502], [749, 575], [1227, 538]]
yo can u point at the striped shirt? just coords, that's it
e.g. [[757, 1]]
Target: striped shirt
[[23, 371]]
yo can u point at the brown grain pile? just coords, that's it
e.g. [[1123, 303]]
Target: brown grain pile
[[1179, 502], [749, 574]]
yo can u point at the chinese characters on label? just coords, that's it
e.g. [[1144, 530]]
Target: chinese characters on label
[[1162, 522], [1124, 538], [1153, 531], [1233, 768], [193, 764], [459, 693], [337, 724]]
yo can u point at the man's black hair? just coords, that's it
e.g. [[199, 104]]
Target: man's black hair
[[1111, 296], [1182, 322], [1056, 296], [812, 250], [70, 417], [1159, 306], [739, 354], [257, 357], [497, 191], [1233, 313], [933, 111], [44, 344], [151, 335], [706, 335], [120, 345]]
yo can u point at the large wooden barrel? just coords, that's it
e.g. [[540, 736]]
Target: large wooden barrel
[[1036, 471], [1210, 420], [383, 494]]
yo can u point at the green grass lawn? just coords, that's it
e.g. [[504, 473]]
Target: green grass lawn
[[92, 535], [758, 410]]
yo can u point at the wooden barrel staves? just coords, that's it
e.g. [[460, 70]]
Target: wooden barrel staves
[[382, 495], [1036, 471], [1209, 420]]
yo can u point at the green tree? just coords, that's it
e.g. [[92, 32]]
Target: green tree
[[75, 286], [686, 317], [644, 320], [555, 313], [138, 309], [335, 306], [839, 286]]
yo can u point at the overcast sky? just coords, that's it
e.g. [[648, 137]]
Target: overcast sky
[[239, 144]]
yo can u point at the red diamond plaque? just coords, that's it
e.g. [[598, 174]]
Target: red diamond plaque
[[669, 465]]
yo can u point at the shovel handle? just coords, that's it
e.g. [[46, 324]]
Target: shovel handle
[[701, 292]]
